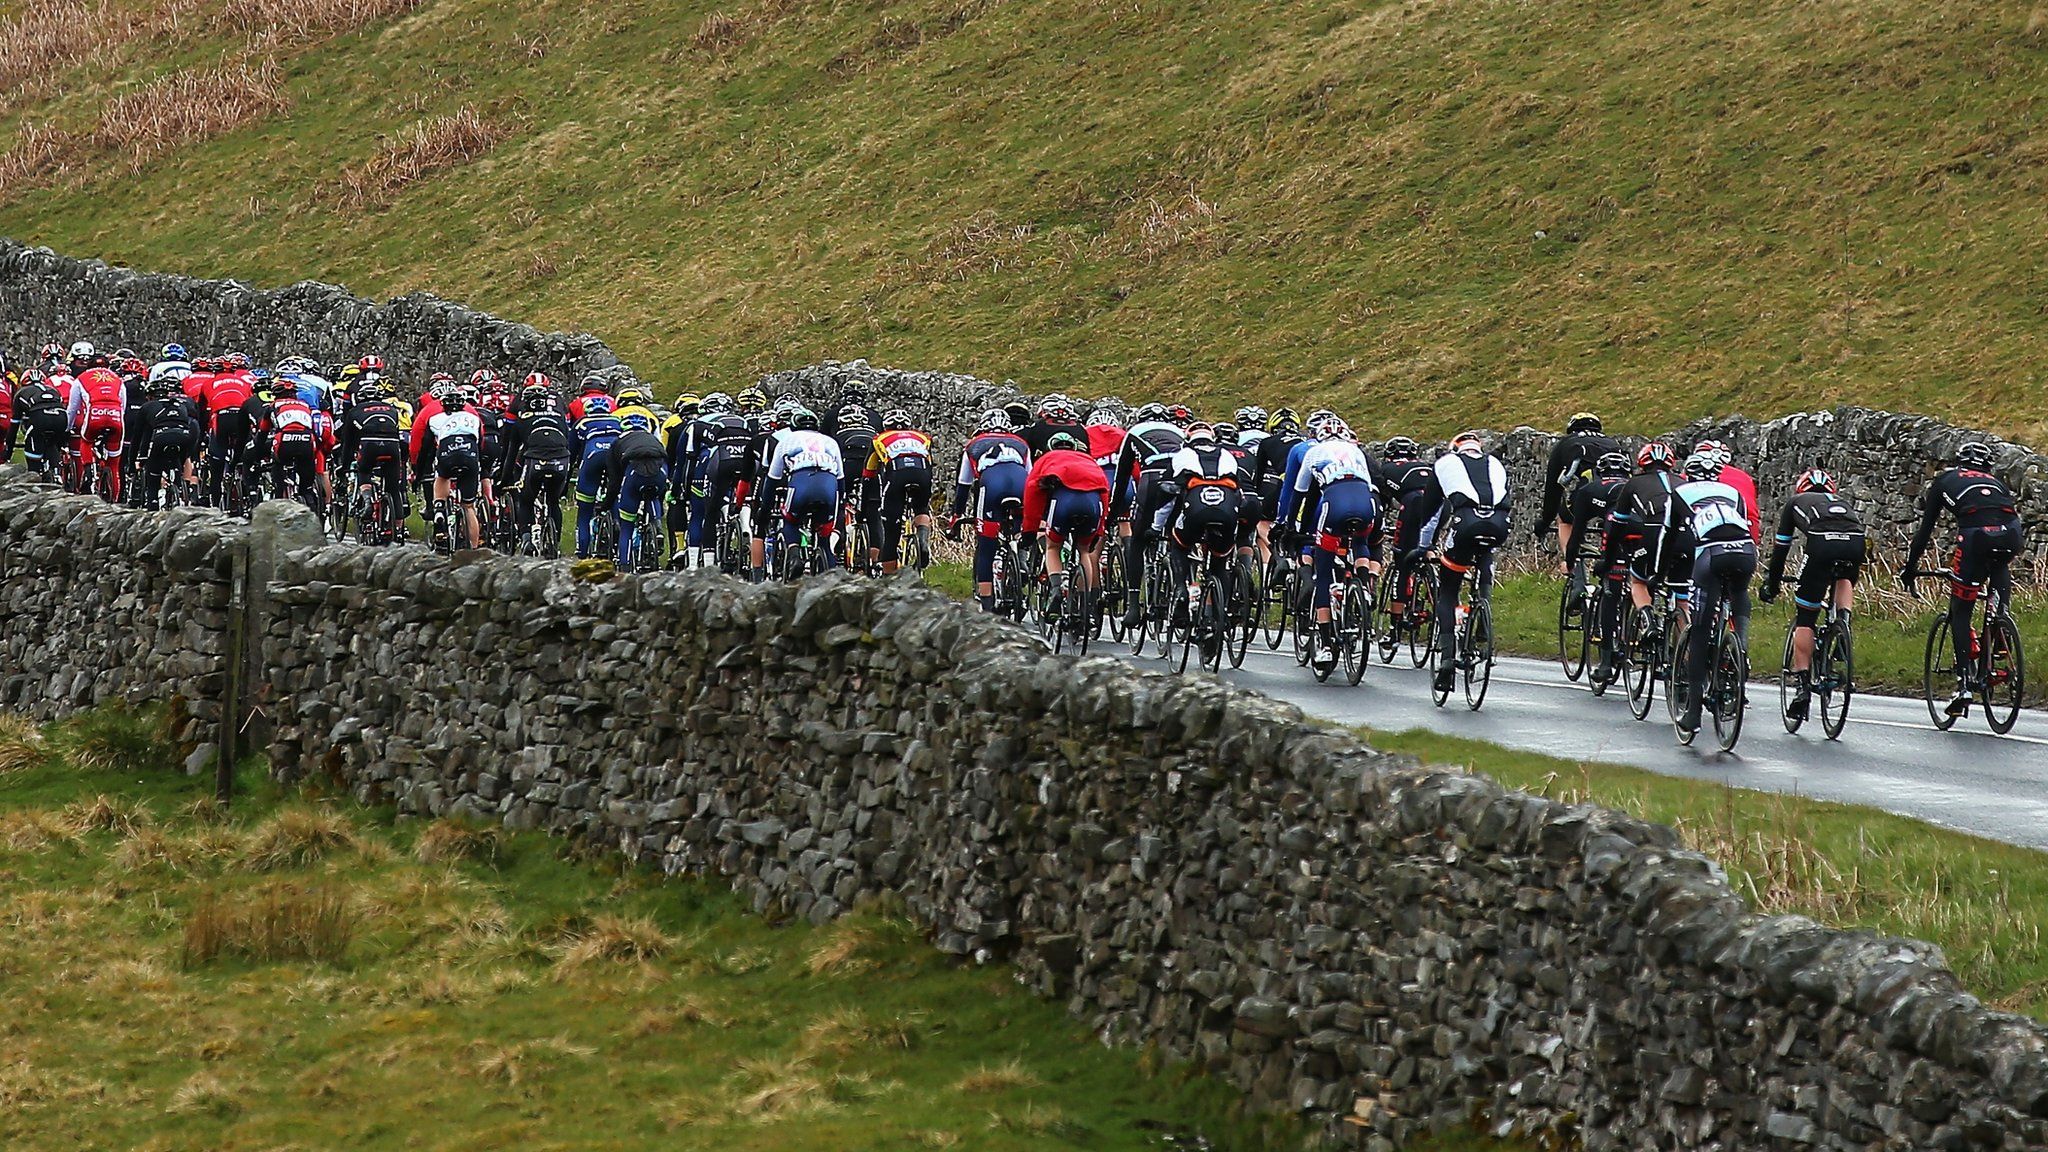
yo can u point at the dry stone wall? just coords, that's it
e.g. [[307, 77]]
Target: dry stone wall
[[1383, 947]]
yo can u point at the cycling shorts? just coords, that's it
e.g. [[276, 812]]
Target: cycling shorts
[[1829, 557], [1984, 553], [1075, 516], [463, 469], [1474, 534], [1208, 518]]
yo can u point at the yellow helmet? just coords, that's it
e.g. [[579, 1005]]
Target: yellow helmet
[[689, 401], [633, 394]]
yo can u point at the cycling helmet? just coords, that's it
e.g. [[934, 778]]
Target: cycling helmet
[[594, 383], [1105, 418], [1066, 441], [50, 353], [481, 377], [173, 352], [1974, 454], [236, 361], [1150, 413], [1199, 431], [1402, 448], [441, 388], [994, 420], [1050, 405], [1319, 415], [1250, 416], [633, 394], [854, 416], [1611, 464], [371, 363], [1468, 443], [1815, 480], [803, 420], [1702, 466], [538, 380], [896, 420], [1285, 418], [715, 404], [1018, 412], [1655, 455], [1181, 414], [1714, 450], [855, 392], [636, 422], [1064, 412], [688, 402], [752, 400], [1330, 428], [1583, 422], [131, 366], [1226, 432], [165, 388], [82, 350], [370, 389]]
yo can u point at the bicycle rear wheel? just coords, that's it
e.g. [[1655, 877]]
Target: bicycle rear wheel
[[1276, 595], [1730, 675], [2006, 679], [1638, 665], [1244, 611], [1478, 648], [1421, 626], [1211, 624], [1571, 624], [1938, 673], [1788, 683], [1354, 639], [1675, 684], [1835, 678]]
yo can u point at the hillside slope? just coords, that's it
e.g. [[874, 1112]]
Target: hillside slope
[[1449, 209]]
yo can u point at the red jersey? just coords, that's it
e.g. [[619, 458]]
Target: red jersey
[[196, 385], [428, 409], [228, 390], [1060, 468], [1745, 486], [1104, 443], [103, 387], [579, 404], [6, 400]]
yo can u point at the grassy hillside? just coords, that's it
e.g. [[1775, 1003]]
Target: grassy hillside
[[1453, 210]]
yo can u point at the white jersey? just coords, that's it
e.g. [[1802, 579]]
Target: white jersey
[[1714, 511], [1472, 481], [459, 431], [1189, 462], [796, 450], [1329, 461]]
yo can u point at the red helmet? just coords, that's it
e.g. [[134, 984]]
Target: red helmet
[[236, 361], [1816, 479], [1656, 454], [371, 364], [537, 380], [133, 367], [481, 378]]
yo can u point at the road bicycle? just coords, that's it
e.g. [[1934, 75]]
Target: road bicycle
[[1831, 675], [1416, 624], [1474, 624], [1211, 617], [1276, 596], [1067, 620], [734, 542], [804, 556], [1115, 594], [1010, 575], [1247, 594], [1998, 667], [1351, 614], [1577, 605], [1723, 696], [645, 543], [1155, 603], [1649, 643]]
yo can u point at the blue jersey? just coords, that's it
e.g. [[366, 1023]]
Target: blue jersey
[[595, 432]]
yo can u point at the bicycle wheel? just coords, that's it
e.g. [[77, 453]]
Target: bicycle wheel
[[1730, 677], [1354, 634], [1247, 593], [1571, 624], [1112, 596], [1083, 615], [1675, 684], [1276, 594], [1421, 625], [1302, 616], [1212, 624], [1478, 649], [2006, 679], [1835, 677], [1638, 663], [1187, 635], [1938, 674], [1788, 681], [1437, 658]]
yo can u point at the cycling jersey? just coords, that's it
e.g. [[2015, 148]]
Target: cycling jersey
[[1039, 434], [1063, 470], [1835, 548], [1590, 504], [1710, 512], [1974, 499], [1570, 465], [805, 451], [590, 403], [900, 449]]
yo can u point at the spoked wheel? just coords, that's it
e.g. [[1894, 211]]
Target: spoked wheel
[[1275, 595], [1302, 618], [1084, 617], [1730, 677], [1788, 684], [1387, 625], [1571, 626], [1211, 625], [1639, 664], [1421, 627], [1244, 618], [1354, 633], [2008, 676], [1112, 598], [1435, 652], [1938, 674], [1834, 681], [1478, 658], [1675, 686]]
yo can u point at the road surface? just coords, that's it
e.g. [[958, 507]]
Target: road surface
[[1889, 757]]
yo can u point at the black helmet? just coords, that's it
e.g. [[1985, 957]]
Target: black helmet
[[1975, 454], [804, 420], [1583, 422], [1611, 464], [1402, 448], [1019, 413]]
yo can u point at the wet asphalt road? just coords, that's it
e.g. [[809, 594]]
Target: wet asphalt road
[[1890, 756]]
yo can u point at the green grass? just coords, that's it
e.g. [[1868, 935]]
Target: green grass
[[1983, 902], [1890, 631], [1443, 212], [490, 989]]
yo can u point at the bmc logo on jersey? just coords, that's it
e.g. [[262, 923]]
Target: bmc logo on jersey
[[1211, 496]]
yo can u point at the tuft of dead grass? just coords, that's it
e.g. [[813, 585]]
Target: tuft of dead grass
[[427, 147], [186, 107], [447, 841], [154, 850], [103, 813], [611, 940], [34, 830], [1037, 1120], [844, 1031], [840, 951], [515, 1064], [992, 1078], [205, 1094], [278, 922], [21, 742], [301, 21], [299, 836]]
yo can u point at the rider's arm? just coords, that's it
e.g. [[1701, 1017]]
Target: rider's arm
[[1553, 491], [1781, 546], [1930, 512]]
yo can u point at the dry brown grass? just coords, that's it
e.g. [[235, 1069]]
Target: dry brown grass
[[840, 951], [517, 1063], [427, 147], [446, 841], [34, 830], [274, 923], [299, 836], [844, 1031], [152, 849], [991, 1078], [300, 21], [611, 940], [21, 743], [205, 1094], [186, 107], [103, 813]]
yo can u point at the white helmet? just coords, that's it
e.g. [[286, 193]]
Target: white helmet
[[82, 350]]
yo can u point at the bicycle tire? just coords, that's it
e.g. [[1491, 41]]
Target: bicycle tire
[[1788, 681], [1302, 616], [1839, 684], [1274, 603], [1938, 665], [1211, 624], [1731, 678], [1244, 619], [1437, 696], [1421, 626], [2005, 665], [1478, 648], [1354, 640], [1571, 624]]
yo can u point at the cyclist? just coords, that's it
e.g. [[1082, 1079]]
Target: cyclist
[[1988, 536], [102, 421], [1138, 494], [590, 441], [715, 453], [225, 395], [1469, 517], [994, 465], [1105, 439], [372, 446], [1743, 483], [1056, 414], [1336, 509], [452, 452], [638, 476], [1639, 539], [540, 448], [135, 399], [809, 468], [751, 403], [853, 407], [1020, 416], [494, 412], [40, 408], [860, 494], [7, 383], [1591, 503], [169, 436], [1201, 512], [1715, 528], [1251, 428], [1835, 548], [83, 358], [1570, 465], [1270, 472], [1066, 496], [899, 475], [300, 440]]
